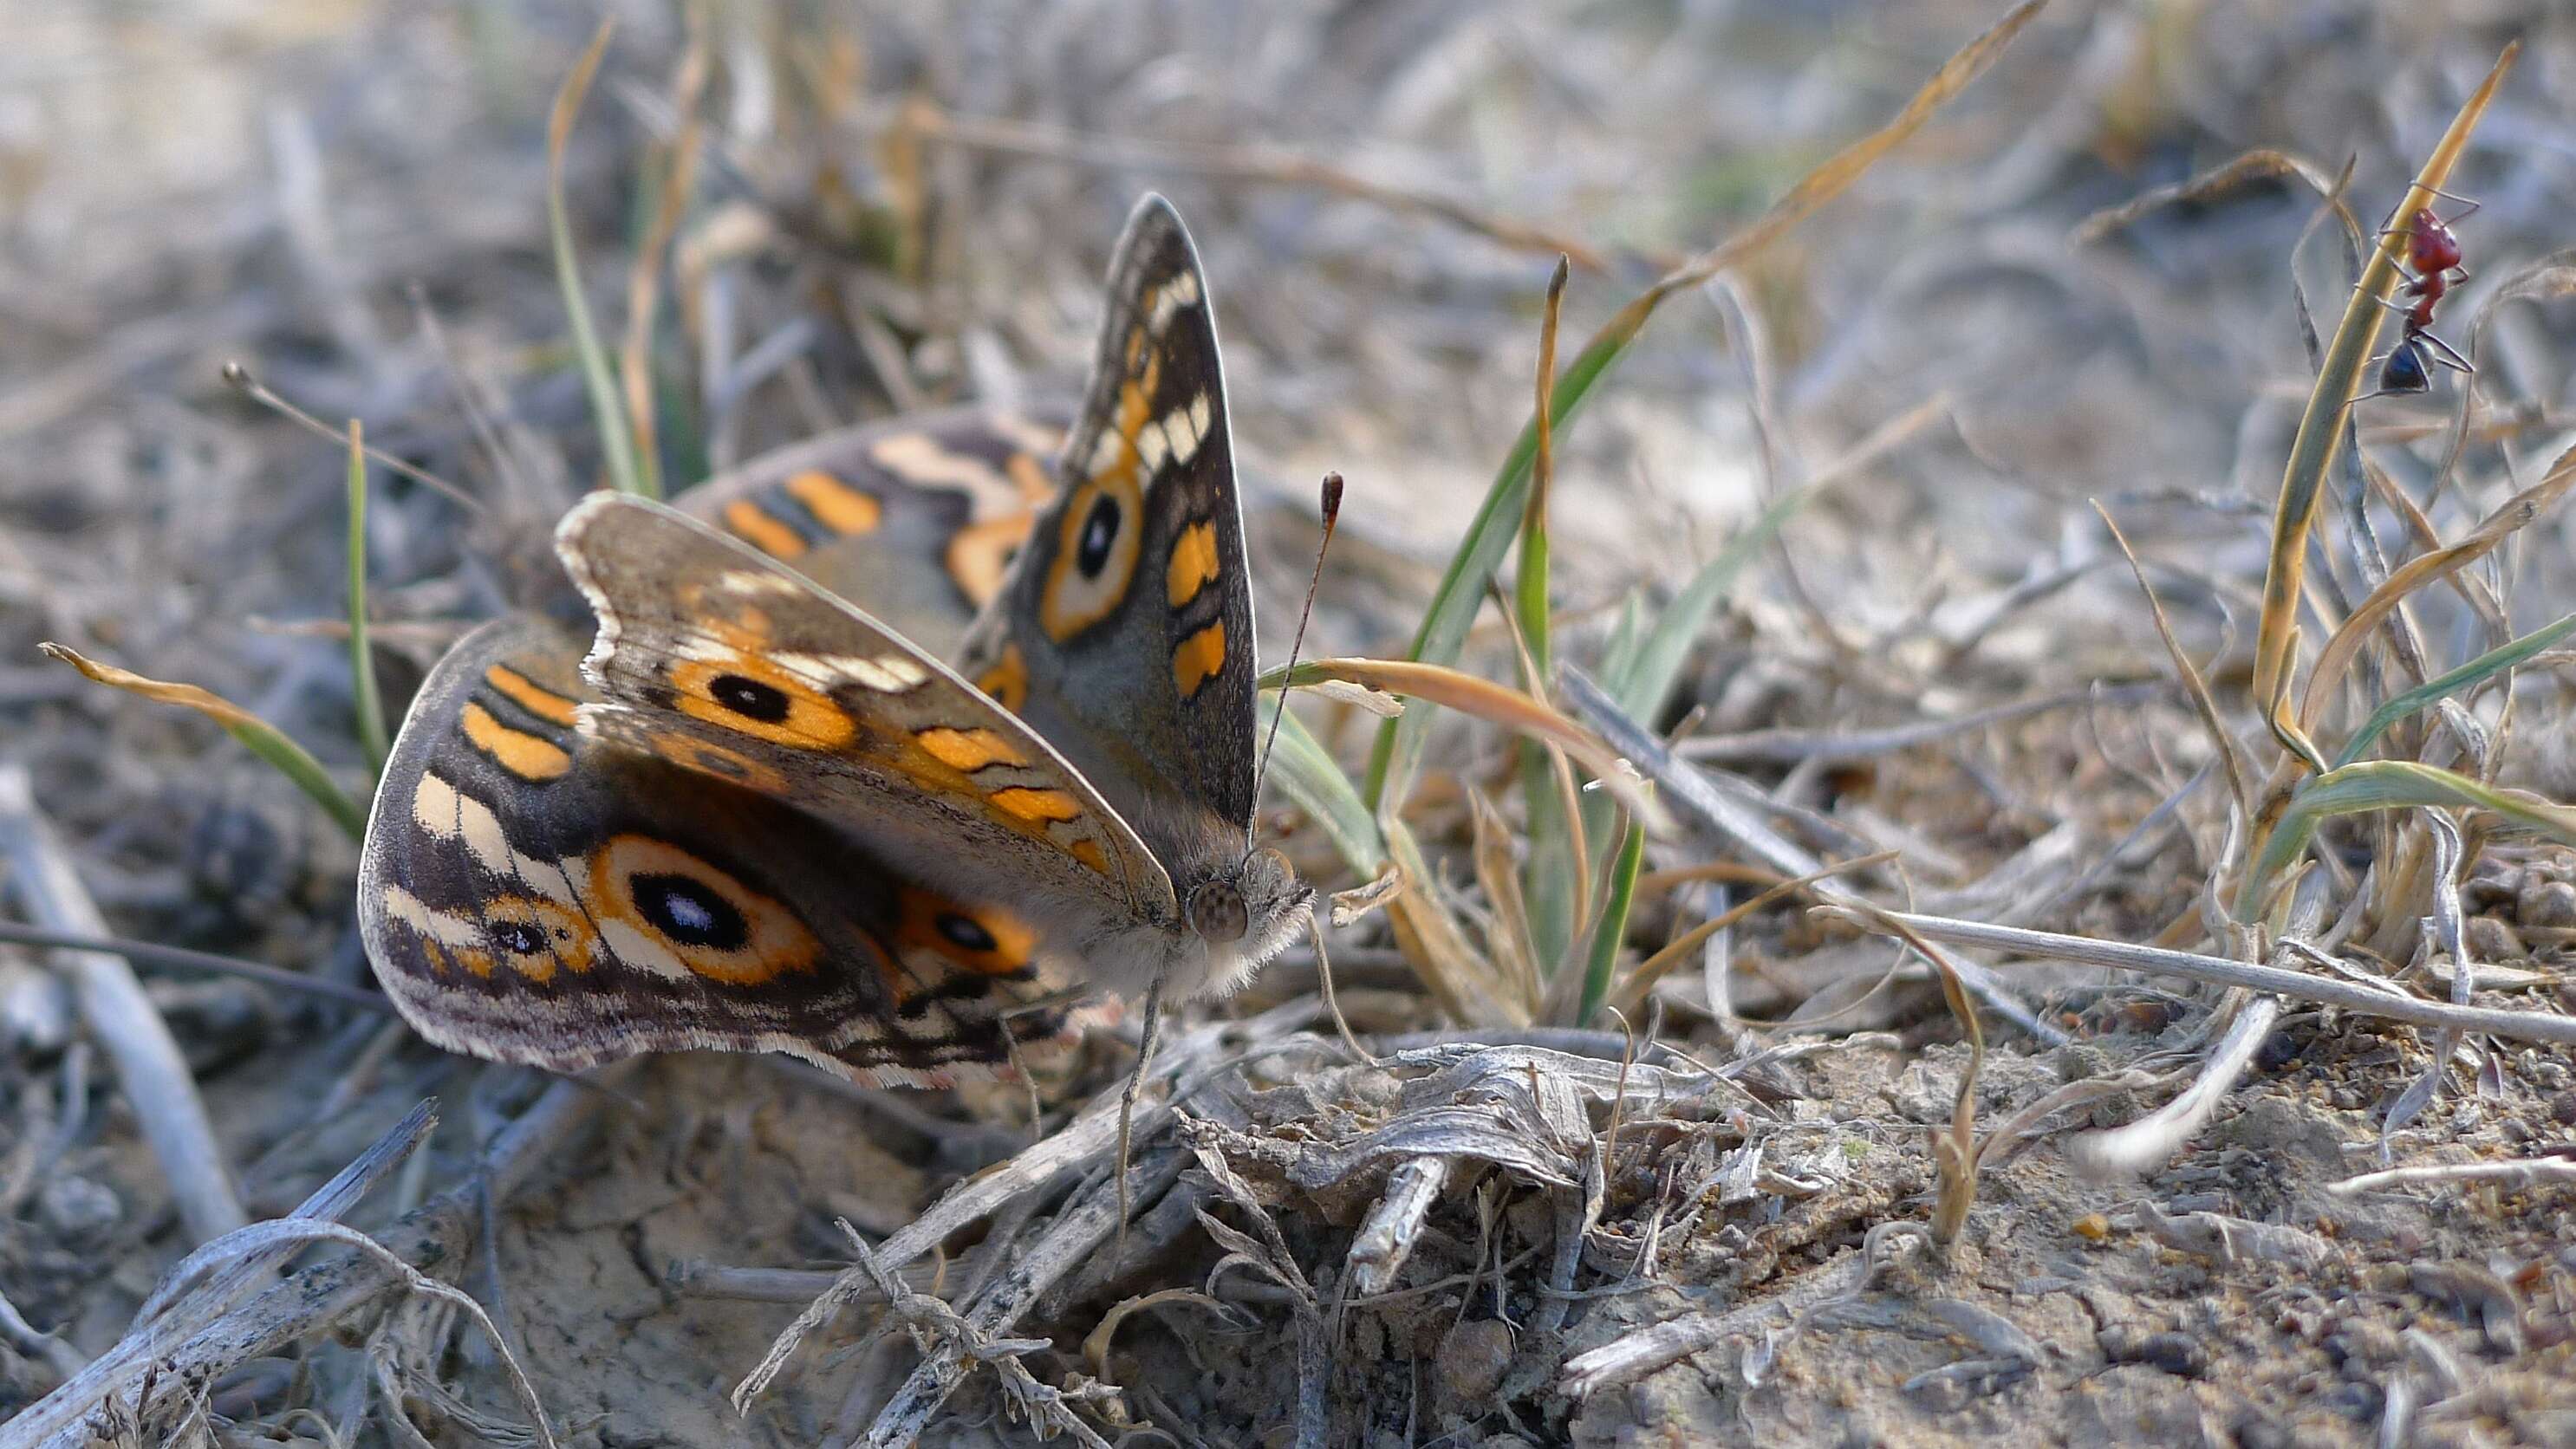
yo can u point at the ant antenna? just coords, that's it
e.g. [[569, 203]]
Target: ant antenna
[[1332, 515]]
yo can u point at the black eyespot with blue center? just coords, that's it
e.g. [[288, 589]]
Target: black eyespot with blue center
[[689, 911], [518, 938], [1099, 531], [966, 933], [749, 698]]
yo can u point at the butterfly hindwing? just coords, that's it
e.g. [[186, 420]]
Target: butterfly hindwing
[[536, 896], [918, 519], [1124, 634]]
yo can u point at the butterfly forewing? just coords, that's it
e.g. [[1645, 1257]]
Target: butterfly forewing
[[718, 658]]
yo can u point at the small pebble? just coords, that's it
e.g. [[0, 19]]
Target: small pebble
[[76, 1207], [2547, 903], [2562, 1108], [1473, 1357], [2092, 1227], [2493, 940]]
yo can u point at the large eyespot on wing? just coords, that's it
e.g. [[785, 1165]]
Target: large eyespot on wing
[[664, 909], [1099, 536]]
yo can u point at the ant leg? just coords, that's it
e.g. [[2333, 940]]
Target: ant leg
[[2414, 286], [2445, 353], [2466, 206]]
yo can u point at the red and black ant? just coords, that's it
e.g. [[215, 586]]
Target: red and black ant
[[2432, 265]]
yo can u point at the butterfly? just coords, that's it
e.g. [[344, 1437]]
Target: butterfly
[[744, 804]]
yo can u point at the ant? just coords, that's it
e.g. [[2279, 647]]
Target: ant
[[2432, 265]]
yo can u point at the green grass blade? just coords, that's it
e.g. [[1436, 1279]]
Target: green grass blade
[[1311, 778], [1612, 929], [362, 658], [2386, 785], [616, 442], [263, 739], [1550, 875], [2467, 676], [2320, 435], [1618, 664], [1443, 634], [1398, 747], [1641, 688]]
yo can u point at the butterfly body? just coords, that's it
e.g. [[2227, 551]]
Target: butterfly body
[[748, 813]]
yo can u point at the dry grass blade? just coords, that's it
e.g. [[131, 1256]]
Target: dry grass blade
[[242, 380], [1444, 627], [1523, 713], [2321, 426], [1632, 992], [644, 281], [1954, 1153], [168, 1324], [1465, 981], [2260, 164], [2202, 702], [1496, 874], [263, 739], [147, 953], [1848, 165], [1236, 163], [2518, 512], [151, 1069], [2384, 1002]]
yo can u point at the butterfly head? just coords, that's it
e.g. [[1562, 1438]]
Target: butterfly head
[[1244, 918]]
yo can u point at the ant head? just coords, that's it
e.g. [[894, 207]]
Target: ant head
[[2404, 371]]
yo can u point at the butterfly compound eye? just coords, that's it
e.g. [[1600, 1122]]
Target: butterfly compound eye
[[1217, 912]]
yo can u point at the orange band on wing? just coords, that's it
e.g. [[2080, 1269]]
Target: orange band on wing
[[835, 504], [1193, 565], [969, 750], [1198, 659], [1036, 805], [763, 529], [530, 757], [545, 704]]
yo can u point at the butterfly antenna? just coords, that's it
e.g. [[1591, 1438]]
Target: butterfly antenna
[[1332, 515]]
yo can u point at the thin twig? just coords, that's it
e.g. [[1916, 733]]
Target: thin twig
[[148, 953], [1790, 747], [113, 1005], [2531, 1172], [1238, 163], [2388, 1004]]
